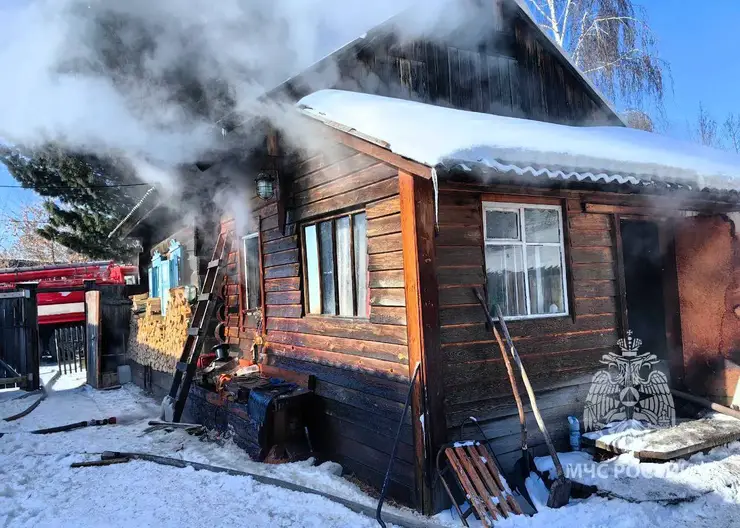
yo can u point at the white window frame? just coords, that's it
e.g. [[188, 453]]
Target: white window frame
[[246, 271], [522, 242]]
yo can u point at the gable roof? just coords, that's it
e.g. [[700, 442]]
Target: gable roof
[[376, 30], [435, 136]]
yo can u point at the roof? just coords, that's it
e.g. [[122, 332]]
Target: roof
[[435, 136], [405, 16]]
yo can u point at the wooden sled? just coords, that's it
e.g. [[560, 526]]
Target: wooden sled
[[481, 481]]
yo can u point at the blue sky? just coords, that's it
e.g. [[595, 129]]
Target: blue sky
[[700, 42]]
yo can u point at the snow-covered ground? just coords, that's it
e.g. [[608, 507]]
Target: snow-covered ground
[[38, 488]]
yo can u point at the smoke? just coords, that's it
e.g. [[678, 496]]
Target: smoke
[[151, 81]]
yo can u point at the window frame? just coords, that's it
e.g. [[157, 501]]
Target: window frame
[[304, 267], [245, 270], [520, 208]]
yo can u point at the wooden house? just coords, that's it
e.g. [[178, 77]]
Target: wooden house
[[483, 168]]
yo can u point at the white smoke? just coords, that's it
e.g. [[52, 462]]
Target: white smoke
[[58, 87]]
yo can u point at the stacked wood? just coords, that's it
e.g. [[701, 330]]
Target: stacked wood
[[159, 339], [139, 302], [153, 306]]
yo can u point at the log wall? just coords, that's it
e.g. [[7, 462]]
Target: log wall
[[361, 365], [560, 354]]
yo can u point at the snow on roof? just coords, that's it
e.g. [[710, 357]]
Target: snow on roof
[[434, 135]]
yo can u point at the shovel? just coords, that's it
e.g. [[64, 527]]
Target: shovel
[[523, 466], [561, 487]]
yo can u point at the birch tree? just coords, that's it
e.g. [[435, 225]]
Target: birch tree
[[611, 42], [27, 244], [731, 131]]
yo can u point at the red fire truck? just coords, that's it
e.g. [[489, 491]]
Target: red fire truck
[[57, 306]]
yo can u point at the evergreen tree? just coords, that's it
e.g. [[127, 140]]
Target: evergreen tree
[[87, 196]]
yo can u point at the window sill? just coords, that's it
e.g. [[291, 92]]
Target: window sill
[[536, 317], [337, 318]]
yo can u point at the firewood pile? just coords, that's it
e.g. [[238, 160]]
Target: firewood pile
[[157, 340]]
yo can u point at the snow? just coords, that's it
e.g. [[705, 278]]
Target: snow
[[38, 488], [434, 135]]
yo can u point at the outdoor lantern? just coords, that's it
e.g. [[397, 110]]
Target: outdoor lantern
[[265, 185]]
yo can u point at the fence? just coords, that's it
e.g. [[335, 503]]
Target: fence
[[70, 348], [19, 339]]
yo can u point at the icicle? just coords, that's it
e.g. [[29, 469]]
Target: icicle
[[435, 185]]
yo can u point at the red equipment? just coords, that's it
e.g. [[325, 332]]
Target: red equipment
[[57, 305]]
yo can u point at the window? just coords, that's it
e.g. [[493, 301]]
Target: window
[[525, 259], [335, 252], [252, 286]]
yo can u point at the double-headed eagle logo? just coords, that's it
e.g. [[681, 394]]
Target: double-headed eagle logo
[[629, 389]]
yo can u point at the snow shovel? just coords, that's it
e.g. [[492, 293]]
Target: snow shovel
[[523, 466], [561, 487]]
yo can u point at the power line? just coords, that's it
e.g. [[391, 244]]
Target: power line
[[73, 188]]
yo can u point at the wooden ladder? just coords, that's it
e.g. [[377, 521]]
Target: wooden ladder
[[202, 315], [485, 487]]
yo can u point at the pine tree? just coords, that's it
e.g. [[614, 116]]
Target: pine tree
[[87, 196]]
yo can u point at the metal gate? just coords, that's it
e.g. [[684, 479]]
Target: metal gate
[[19, 340], [70, 348]]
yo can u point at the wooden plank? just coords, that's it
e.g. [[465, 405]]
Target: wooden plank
[[417, 225], [384, 425], [287, 284], [589, 255], [344, 184], [545, 364], [290, 256], [569, 396], [538, 346], [287, 311], [522, 330], [621, 285], [353, 198], [384, 225], [282, 272], [388, 297], [386, 279], [598, 305], [385, 261], [460, 215], [471, 235], [593, 271], [371, 392], [274, 234], [369, 437], [591, 222], [331, 172], [461, 275], [384, 244], [281, 244], [366, 365], [383, 207], [336, 327], [353, 347], [456, 295], [459, 256], [277, 298], [323, 159], [388, 315], [580, 238], [594, 288]]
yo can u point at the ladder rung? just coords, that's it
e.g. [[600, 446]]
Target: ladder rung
[[205, 297], [214, 264], [194, 331], [182, 366]]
